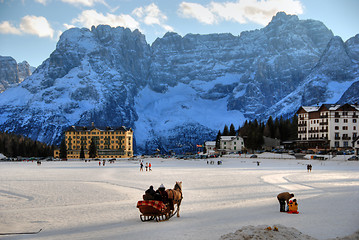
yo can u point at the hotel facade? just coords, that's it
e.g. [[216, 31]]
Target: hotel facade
[[110, 142], [329, 126]]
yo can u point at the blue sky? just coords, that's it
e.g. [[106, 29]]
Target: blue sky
[[30, 29]]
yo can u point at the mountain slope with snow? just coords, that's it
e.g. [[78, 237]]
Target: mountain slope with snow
[[181, 90]]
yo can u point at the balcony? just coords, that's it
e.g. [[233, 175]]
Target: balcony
[[323, 123], [337, 138], [324, 116], [346, 138], [302, 125], [355, 116], [337, 116]]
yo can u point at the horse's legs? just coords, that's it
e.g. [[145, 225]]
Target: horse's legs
[[178, 209]]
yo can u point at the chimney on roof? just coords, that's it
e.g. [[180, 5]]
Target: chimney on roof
[[93, 124]]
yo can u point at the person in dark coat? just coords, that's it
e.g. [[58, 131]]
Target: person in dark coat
[[161, 194], [283, 198], [149, 194]]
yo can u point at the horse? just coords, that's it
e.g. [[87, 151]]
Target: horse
[[175, 195]]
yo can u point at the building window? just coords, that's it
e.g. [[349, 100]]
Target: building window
[[345, 120], [336, 127], [345, 127], [336, 144], [336, 120], [345, 144], [354, 120]]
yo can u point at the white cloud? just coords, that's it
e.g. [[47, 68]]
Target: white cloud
[[31, 25], [241, 11], [89, 18], [43, 2], [152, 15], [68, 26], [7, 28], [197, 11], [37, 26], [86, 3]]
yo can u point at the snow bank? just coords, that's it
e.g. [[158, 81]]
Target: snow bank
[[278, 232], [264, 232]]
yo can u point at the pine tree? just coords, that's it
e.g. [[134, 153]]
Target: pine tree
[[218, 140], [63, 149], [93, 149], [294, 128], [82, 153], [270, 130], [225, 131], [232, 130]]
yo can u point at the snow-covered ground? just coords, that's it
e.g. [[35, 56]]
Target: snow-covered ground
[[82, 200]]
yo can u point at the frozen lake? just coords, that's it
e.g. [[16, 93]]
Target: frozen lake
[[82, 200]]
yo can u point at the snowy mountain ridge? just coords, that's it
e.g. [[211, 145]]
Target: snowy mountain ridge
[[180, 91]]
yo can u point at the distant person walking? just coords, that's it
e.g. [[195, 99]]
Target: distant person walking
[[146, 166], [283, 198], [149, 167], [309, 167], [141, 167]]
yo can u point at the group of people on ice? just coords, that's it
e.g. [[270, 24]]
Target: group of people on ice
[[148, 166]]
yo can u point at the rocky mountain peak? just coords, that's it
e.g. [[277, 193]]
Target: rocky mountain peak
[[335, 60], [12, 73], [282, 17]]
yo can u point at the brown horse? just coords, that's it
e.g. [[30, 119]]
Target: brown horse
[[175, 195]]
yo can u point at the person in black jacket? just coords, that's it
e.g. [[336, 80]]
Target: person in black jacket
[[149, 194], [161, 194]]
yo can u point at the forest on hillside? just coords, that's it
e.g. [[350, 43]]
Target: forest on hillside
[[254, 131], [12, 145]]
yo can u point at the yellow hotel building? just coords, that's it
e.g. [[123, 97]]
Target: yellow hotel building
[[110, 142]]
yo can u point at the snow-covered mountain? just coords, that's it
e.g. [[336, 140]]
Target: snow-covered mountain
[[12, 73], [180, 91]]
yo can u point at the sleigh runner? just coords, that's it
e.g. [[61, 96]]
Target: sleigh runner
[[157, 210]]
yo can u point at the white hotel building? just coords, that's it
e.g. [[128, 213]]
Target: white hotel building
[[328, 126]]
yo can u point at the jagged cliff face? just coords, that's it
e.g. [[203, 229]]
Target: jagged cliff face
[[265, 65], [12, 73], [181, 90]]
